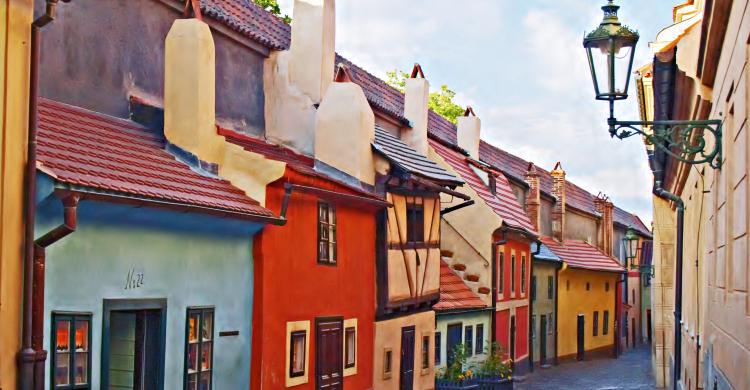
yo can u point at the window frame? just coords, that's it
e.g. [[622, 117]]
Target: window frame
[[479, 336], [353, 330], [595, 323], [438, 347], [330, 224], [469, 340], [501, 274], [523, 275], [512, 274], [550, 287], [201, 311], [425, 353], [292, 336], [387, 358], [605, 323], [414, 224], [71, 318]]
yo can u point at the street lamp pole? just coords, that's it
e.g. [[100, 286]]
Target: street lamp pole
[[610, 50]]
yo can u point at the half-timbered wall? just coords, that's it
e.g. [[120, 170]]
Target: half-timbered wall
[[413, 267]]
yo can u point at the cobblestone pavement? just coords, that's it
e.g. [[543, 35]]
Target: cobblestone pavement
[[631, 371]]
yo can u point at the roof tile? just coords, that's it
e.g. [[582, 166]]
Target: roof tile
[[454, 293], [580, 254]]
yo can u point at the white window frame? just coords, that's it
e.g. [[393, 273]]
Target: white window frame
[[296, 326]]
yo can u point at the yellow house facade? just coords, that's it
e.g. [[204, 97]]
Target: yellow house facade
[[16, 17]]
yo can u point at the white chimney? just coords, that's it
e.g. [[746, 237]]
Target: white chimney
[[190, 89], [345, 129], [312, 50], [416, 99], [469, 129]]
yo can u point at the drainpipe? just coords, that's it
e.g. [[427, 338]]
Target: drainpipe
[[557, 293], [618, 316], [31, 359]]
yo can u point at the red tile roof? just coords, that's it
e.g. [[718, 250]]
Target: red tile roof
[[504, 203], [252, 21], [454, 293], [626, 219], [580, 254], [93, 150]]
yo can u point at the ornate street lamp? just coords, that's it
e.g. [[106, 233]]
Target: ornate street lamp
[[611, 49], [630, 242]]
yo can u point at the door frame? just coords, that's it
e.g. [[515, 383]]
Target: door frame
[[318, 321], [413, 357], [110, 305]]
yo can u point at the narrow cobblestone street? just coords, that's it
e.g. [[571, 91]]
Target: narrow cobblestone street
[[631, 371]]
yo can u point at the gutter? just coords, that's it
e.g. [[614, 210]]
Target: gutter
[[32, 356]]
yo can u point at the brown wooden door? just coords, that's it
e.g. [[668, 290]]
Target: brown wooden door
[[406, 381], [329, 361]]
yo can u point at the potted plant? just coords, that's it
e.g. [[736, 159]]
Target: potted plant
[[495, 370]]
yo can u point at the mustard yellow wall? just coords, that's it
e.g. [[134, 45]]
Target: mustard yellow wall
[[15, 16], [574, 300]]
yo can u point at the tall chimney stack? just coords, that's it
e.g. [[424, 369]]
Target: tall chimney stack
[[606, 226], [345, 129], [313, 55], [190, 89], [558, 212], [416, 105], [533, 196], [469, 129]]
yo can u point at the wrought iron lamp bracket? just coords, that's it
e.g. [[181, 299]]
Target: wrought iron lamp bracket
[[686, 141]]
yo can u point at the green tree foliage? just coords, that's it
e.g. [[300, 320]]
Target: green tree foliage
[[440, 101], [272, 6]]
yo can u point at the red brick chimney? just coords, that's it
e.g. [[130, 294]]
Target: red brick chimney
[[606, 225], [533, 196], [558, 212]]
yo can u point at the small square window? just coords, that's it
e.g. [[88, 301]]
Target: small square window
[[567, 284], [588, 286], [512, 274], [605, 324], [606, 286], [199, 348], [550, 287], [387, 363], [438, 348], [351, 347], [469, 340], [596, 323], [326, 233], [501, 273], [523, 274], [297, 353], [533, 288], [425, 352], [479, 347]]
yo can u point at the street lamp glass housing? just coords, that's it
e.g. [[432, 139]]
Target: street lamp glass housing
[[610, 50], [630, 242]]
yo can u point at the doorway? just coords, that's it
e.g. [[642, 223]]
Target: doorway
[[454, 338], [543, 340], [406, 381], [133, 344], [648, 325], [512, 341], [329, 361], [581, 332]]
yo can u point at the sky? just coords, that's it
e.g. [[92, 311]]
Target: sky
[[521, 65]]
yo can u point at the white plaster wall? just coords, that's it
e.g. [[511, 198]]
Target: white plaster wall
[[466, 319]]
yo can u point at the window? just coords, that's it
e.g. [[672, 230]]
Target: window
[[350, 347], [479, 347], [588, 286], [523, 274], [550, 323], [425, 352], [596, 323], [469, 340], [533, 326], [199, 342], [605, 323], [501, 274], [606, 286], [513, 274], [533, 288], [550, 287], [567, 284], [297, 354], [438, 348], [71, 358], [414, 223], [633, 295], [326, 233], [387, 363]]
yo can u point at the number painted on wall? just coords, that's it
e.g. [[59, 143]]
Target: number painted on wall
[[134, 279]]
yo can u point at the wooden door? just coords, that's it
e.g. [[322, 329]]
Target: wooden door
[[406, 381], [454, 338], [329, 361], [542, 340], [581, 334]]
